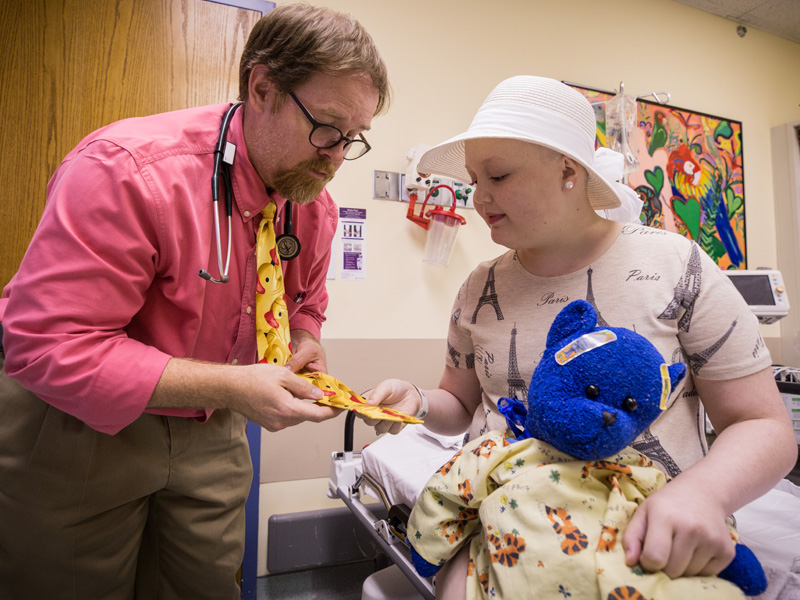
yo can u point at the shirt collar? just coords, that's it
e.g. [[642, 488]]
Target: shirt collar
[[248, 188]]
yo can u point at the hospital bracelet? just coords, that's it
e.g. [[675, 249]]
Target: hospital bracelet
[[423, 410]]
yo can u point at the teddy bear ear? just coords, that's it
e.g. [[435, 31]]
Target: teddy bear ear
[[578, 317], [677, 372]]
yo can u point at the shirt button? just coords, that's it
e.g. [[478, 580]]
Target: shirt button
[[235, 361], [248, 310], [247, 214]]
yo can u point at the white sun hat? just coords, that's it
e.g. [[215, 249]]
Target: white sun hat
[[546, 112]]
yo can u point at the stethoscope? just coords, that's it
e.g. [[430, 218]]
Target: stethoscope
[[224, 153]]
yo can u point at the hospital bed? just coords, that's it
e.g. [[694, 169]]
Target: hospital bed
[[394, 469]]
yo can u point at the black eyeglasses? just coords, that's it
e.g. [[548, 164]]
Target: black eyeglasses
[[327, 136]]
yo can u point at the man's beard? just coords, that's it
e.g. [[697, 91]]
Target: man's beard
[[298, 186]]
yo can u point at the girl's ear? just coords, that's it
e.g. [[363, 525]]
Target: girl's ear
[[569, 169]]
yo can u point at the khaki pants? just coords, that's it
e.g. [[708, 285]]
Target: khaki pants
[[156, 511]]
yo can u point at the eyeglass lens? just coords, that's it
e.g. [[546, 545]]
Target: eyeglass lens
[[327, 136]]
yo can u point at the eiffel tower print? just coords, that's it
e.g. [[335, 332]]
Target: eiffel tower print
[[686, 292], [652, 449], [455, 355], [601, 322], [515, 381], [700, 359], [489, 297]]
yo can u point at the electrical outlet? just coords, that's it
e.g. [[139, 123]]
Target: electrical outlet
[[386, 185], [403, 189]]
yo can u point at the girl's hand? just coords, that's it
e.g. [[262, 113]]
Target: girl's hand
[[396, 394], [681, 531]]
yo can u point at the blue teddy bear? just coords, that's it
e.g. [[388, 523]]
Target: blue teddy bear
[[563, 481]]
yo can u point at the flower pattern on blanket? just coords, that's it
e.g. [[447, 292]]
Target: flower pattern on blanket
[[486, 496]]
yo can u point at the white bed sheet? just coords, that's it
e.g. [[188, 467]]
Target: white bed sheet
[[404, 463], [770, 526]]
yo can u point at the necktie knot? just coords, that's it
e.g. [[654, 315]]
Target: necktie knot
[[268, 214]]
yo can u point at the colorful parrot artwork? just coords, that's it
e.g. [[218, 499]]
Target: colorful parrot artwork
[[659, 137], [696, 194], [651, 206], [690, 176]]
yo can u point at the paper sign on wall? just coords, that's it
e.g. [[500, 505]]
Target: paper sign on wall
[[352, 243]]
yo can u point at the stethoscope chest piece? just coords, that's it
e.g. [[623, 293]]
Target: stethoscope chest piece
[[288, 246], [287, 243]]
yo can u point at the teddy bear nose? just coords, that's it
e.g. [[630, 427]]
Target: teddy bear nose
[[609, 418]]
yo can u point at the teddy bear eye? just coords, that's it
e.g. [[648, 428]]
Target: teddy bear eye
[[592, 391], [630, 404]]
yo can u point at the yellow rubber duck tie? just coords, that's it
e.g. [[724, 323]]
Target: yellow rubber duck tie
[[272, 319], [338, 395]]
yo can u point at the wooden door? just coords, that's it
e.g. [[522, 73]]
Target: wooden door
[[71, 66]]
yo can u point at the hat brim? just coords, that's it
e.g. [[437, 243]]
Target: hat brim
[[448, 159]]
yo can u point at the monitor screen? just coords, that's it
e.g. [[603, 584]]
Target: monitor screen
[[756, 289]]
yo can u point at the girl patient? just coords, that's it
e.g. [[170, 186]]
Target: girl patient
[[541, 187]]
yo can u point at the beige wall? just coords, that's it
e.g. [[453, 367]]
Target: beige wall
[[444, 56]]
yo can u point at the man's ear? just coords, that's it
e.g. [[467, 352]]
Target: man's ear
[[260, 89]]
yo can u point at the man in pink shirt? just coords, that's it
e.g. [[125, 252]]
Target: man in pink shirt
[[128, 379]]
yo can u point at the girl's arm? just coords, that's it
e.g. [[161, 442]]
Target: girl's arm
[[681, 528]]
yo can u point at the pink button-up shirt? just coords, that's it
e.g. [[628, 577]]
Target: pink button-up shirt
[[108, 290]]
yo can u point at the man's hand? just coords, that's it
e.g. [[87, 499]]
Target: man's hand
[[270, 396], [278, 399], [308, 353]]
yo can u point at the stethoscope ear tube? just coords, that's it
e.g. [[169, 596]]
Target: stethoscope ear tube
[[288, 244], [221, 168]]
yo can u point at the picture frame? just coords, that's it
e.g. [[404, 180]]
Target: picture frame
[[690, 173]]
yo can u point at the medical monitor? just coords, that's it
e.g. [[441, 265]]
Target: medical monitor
[[764, 292]]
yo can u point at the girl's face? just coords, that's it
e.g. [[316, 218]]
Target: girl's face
[[519, 191]]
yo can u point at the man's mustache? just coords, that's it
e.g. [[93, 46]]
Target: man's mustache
[[321, 166]]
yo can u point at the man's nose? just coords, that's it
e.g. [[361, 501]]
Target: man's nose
[[334, 154]]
